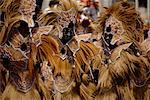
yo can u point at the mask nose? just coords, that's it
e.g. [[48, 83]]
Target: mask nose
[[108, 37]]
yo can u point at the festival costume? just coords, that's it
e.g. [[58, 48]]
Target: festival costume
[[69, 59], [53, 62], [17, 50], [123, 69]]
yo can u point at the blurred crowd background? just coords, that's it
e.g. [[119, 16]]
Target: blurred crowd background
[[92, 8]]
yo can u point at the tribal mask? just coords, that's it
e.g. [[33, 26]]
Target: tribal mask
[[67, 26], [113, 31], [121, 21], [16, 56]]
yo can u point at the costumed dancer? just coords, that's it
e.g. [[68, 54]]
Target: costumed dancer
[[17, 52], [67, 60], [124, 68]]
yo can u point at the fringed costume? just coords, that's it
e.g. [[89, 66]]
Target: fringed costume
[[46, 59], [124, 65], [17, 51], [70, 59]]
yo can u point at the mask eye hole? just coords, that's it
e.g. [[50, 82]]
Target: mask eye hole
[[6, 60], [63, 51], [23, 47], [108, 29], [24, 29]]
